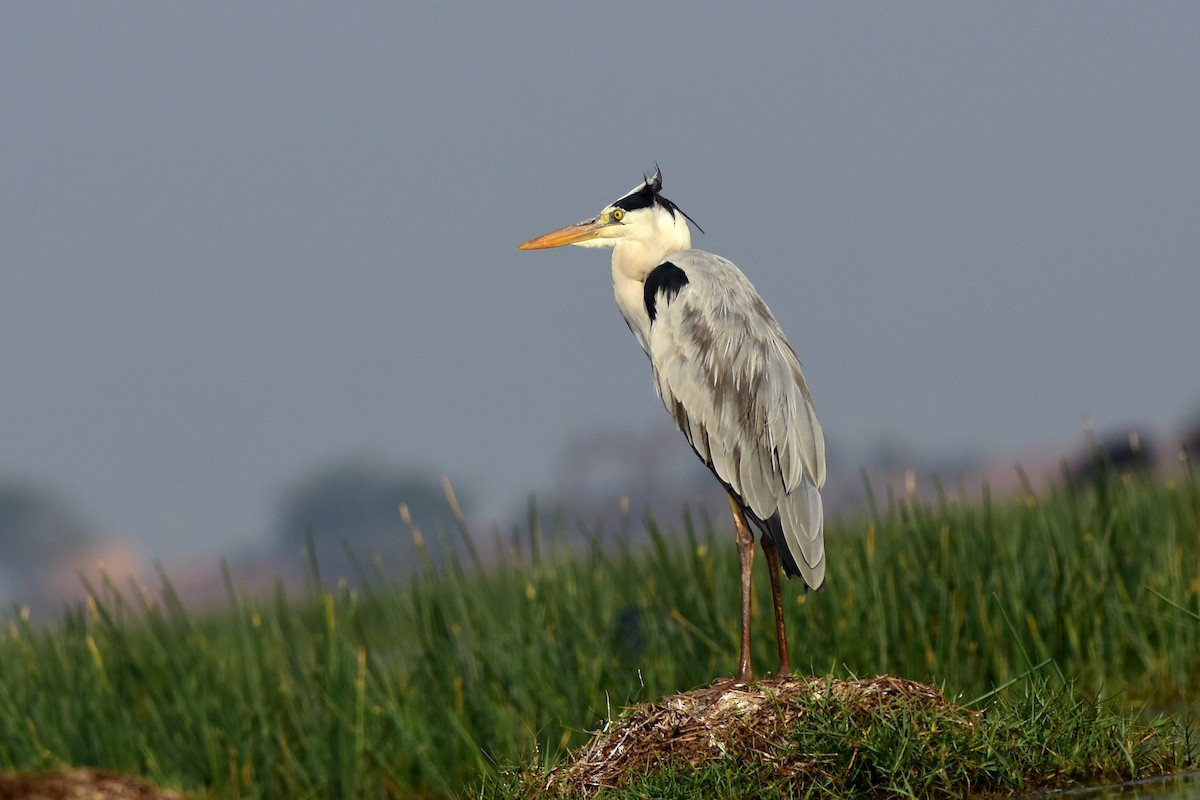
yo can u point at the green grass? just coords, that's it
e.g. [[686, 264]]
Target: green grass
[[425, 688]]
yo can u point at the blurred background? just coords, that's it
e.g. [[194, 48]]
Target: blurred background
[[258, 276]]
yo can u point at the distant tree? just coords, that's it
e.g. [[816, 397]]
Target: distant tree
[[1190, 446], [1120, 453], [355, 504], [37, 526], [1189, 440], [608, 479]]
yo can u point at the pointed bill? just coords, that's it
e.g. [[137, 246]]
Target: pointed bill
[[572, 234]]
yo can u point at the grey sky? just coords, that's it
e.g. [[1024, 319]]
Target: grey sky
[[237, 240]]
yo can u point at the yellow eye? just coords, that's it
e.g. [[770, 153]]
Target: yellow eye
[[617, 214]]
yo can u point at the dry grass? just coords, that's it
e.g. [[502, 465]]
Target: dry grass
[[749, 721], [80, 784]]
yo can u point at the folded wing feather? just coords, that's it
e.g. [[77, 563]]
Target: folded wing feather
[[729, 377]]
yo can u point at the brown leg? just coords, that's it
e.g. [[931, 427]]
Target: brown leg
[[785, 663], [745, 545]]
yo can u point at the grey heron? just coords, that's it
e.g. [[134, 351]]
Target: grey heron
[[728, 377]]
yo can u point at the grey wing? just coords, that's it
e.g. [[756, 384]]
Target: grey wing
[[729, 377]]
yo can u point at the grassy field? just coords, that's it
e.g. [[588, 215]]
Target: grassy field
[[428, 688]]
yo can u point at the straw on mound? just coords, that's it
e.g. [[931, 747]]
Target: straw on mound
[[728, 717], [80, 784]]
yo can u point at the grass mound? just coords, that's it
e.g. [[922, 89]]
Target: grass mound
[[741, 721], [80, 784], [827, 737]]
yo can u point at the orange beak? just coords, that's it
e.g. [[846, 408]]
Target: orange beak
[[579, 232]]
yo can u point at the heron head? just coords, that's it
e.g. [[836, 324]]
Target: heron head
[[643, 215]]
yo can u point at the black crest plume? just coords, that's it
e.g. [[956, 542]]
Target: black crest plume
[[648, 194]]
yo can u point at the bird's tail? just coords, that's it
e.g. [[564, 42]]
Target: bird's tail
[[798, 530]]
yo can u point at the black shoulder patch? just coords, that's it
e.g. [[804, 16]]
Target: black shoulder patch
[[666, 278]]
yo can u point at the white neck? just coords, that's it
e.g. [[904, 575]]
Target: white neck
[[632, 261]]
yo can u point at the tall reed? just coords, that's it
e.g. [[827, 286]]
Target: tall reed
[[397, 689]]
